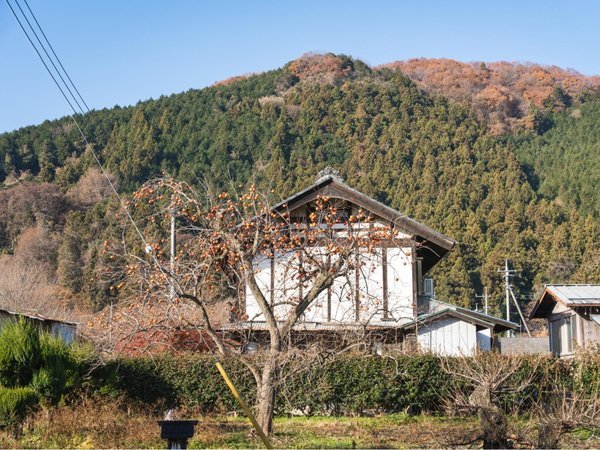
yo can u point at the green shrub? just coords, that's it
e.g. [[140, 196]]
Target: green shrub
[[15, 404], [171, 381], [59, 370], [39, 362], [19, 353], [349, 385]]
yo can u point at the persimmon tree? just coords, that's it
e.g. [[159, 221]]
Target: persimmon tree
[[221, 238]]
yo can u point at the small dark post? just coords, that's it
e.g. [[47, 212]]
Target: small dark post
[[177, 432]]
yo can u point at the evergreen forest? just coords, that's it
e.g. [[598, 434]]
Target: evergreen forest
[[526, 191]]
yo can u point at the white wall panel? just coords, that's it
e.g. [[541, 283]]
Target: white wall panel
[[400, 283], [286, 291], [448, 337], [262, 274], [484, 339]]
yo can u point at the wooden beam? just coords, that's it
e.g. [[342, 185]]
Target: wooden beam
[[272, 284], [357, 286], [384, 270], [415, 293], [328, 292]]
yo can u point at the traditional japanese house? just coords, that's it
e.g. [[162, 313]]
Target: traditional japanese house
[[385, 298]]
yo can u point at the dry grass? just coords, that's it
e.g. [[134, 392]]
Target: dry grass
[[90, 423], [113, 423]]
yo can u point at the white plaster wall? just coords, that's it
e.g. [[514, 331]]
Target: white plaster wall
[[400, 284], [559, 307], [448, 337], [65, 332], [286, 292], [262, 275], [371, 286]]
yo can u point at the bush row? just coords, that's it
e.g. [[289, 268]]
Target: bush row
[[349, 385]]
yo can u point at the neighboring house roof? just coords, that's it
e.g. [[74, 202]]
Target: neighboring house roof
[[36, 316], [570, 295], [261, 325], [443, 309], [434, 244]]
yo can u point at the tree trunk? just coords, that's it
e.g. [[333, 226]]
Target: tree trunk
[[493, 426], [266, 396], [492, 419]]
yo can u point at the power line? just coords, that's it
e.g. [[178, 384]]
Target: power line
[[48, 56], [87, 144], [170, 279], [39, 55], [56, 56]]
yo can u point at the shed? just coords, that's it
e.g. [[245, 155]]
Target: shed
[[573, 314], [450, 330], [67, 331]]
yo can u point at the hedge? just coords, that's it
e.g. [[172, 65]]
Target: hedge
[[350, 385], [346, 386]]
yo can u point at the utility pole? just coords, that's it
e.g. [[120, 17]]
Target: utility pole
[[520, 313], [110, 331], [485, 299], [509, 293], [507, 274]]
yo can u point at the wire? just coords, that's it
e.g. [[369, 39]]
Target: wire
[[258, 428], [88, 145], [48, 56], [56, 56], [40, 56]]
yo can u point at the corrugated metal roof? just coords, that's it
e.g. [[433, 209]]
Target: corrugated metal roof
[[438, 306], [466, 315], [314, 326], [36, 316], [576, 294]]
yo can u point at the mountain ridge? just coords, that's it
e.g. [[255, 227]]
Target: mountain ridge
[[424, 154]]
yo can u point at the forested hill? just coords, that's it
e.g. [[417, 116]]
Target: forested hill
[[433, 158]]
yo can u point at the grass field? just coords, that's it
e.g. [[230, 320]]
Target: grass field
[[103, 424]]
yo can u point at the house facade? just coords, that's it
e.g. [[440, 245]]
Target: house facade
[[573, 315], [450, 330], [385, 285], [383, 294]]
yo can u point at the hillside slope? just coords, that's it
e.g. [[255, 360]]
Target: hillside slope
[[427, 156], [566, 158]]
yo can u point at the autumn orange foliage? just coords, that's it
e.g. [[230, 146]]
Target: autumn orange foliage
[[231, 80], [325, 68], [501, 92]]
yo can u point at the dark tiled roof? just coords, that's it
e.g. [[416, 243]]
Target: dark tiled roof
[[434, 244]]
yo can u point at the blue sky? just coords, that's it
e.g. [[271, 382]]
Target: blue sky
[[122, 51]]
